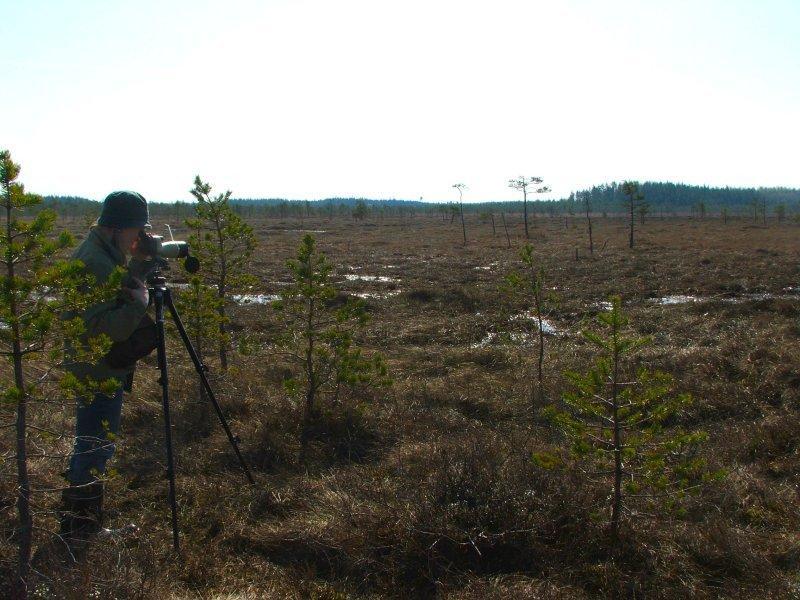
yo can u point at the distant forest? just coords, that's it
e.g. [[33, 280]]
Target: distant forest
[[661, 199]]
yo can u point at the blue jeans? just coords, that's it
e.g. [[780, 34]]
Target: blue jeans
[[96, 426]]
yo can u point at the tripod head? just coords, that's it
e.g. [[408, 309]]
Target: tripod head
[[156, 278]]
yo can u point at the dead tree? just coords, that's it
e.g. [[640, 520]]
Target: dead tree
[[461, 187]]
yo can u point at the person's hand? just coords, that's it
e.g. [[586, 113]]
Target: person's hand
[[138, 293]]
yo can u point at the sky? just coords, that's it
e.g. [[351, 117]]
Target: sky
[[309, 99]]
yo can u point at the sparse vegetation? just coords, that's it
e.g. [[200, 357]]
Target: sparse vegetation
[[440, 485]]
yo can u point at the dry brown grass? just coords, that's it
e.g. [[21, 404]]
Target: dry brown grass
[[428, 488]]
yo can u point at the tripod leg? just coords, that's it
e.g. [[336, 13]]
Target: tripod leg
[[201, 371], [164, 381]]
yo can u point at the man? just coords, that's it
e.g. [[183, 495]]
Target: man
[[115, 236]]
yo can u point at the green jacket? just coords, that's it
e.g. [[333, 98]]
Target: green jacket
[[118, 318]]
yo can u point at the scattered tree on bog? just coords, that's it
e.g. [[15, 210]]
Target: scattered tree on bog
[[319, 337], [528, 284], [634, 203], [488, 217], [360, 211], [701, 210], [461, 187], [587, 207], [522, 183], [618, 424]]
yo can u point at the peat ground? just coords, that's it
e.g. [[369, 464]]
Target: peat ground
[[428, 488]]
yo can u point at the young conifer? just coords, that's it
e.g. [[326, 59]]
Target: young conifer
[[199, 306], [616, 421], [587, 206], [634, 202], [780, 212], [320, 337], [36, 288], [529, 285], [224, 243], [461, 187]]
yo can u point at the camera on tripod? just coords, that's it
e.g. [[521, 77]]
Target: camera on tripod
[[155, 246]]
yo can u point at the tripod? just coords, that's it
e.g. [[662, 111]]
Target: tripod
[[163, 297]]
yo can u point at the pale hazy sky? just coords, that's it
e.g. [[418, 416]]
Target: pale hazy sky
[[377, 98]]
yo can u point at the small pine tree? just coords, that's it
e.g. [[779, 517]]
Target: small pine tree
[[505, 227], [199, 306], [529, 285], [487, 217], [319, 338], [224, 243], [634, 201], [360, 211], [461, 187], [701, 210], [522, 183], [754, 204], [616, 422], [570, 205], [643, 209], [587, 205], [36, 288]]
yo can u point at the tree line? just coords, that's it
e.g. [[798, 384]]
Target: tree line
[[663, 199]]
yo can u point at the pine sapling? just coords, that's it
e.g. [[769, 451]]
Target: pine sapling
[[634, 202], [224, 243], [618, 424], [528, 284], [505, 227], [36, 289], [587, 206], [320, 338], [461, 187]]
